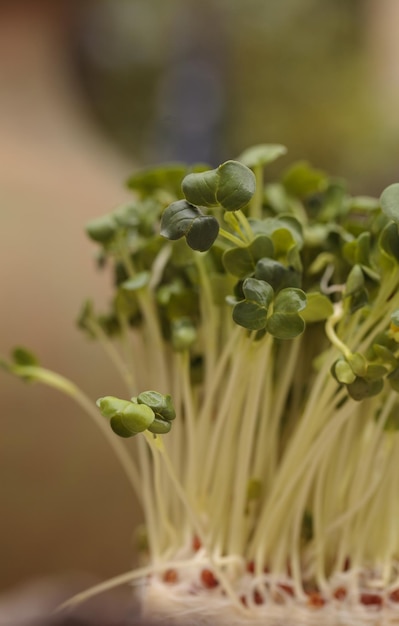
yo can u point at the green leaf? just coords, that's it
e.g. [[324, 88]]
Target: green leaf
[[389, 202], [258, 291], [321, 262], [120, 429], [22, 356], [200, 188], [241, 261], [231, 186], [318, 307], [384, 354], [361, 388], [342, 372], [162, 405], [285, 232], [102, 229], [285, 325], [363, 204], [262, 154], [166, 178], [358, 250], [111, 406], [374, 371], [251, 313], [355, 281], [236, 185], [290, 300], [181, 219], [183, 334], [358, 364], [160, 427], [302, 180], [276, 274], [389, 242], [139, 281], [359, 300], [135, 418], [203, 232], [178, 218], [126, 418]]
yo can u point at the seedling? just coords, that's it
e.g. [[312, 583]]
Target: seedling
[[264, 319]]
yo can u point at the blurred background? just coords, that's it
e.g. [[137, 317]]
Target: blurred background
[[89, 92]]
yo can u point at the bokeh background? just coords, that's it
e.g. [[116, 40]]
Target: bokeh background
[[89, 92]]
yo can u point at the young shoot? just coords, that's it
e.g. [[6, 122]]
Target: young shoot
[[269, 312]]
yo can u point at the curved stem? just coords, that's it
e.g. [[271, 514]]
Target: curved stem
[[56, 381]]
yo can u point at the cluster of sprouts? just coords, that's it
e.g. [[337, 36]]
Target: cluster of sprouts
[[265, 317]]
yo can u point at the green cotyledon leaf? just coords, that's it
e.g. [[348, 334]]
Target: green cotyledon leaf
[[262, 154], [126, 418], [318, 307], [251, 313], [285, 231], [343, 372], [160, 426], [285, 325], [303, 180], [166, 177], [389, 242], [241, 262], [276, 274], [231, 186], [102, 229], [182, 219], [389, 202], [257, 291], [361, 388], [290, 300], [162, 405]]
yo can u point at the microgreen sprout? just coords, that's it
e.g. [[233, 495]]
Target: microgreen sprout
[[269, 312]]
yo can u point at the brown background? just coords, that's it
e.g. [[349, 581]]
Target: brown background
[[65, 505]]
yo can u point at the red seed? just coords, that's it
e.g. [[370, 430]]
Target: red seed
[[371, 599], [208, 579], [347, 564], [340, 593], [394, 595], [287, 588], [243, 600], [170, 576], [316, 600], [258, 598], [251, 567], [196, 543]]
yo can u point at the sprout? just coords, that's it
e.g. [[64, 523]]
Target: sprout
[[269, 313]]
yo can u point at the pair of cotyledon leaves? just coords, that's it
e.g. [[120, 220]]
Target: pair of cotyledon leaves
[[253, 312], [149, 411], [230, 186]]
